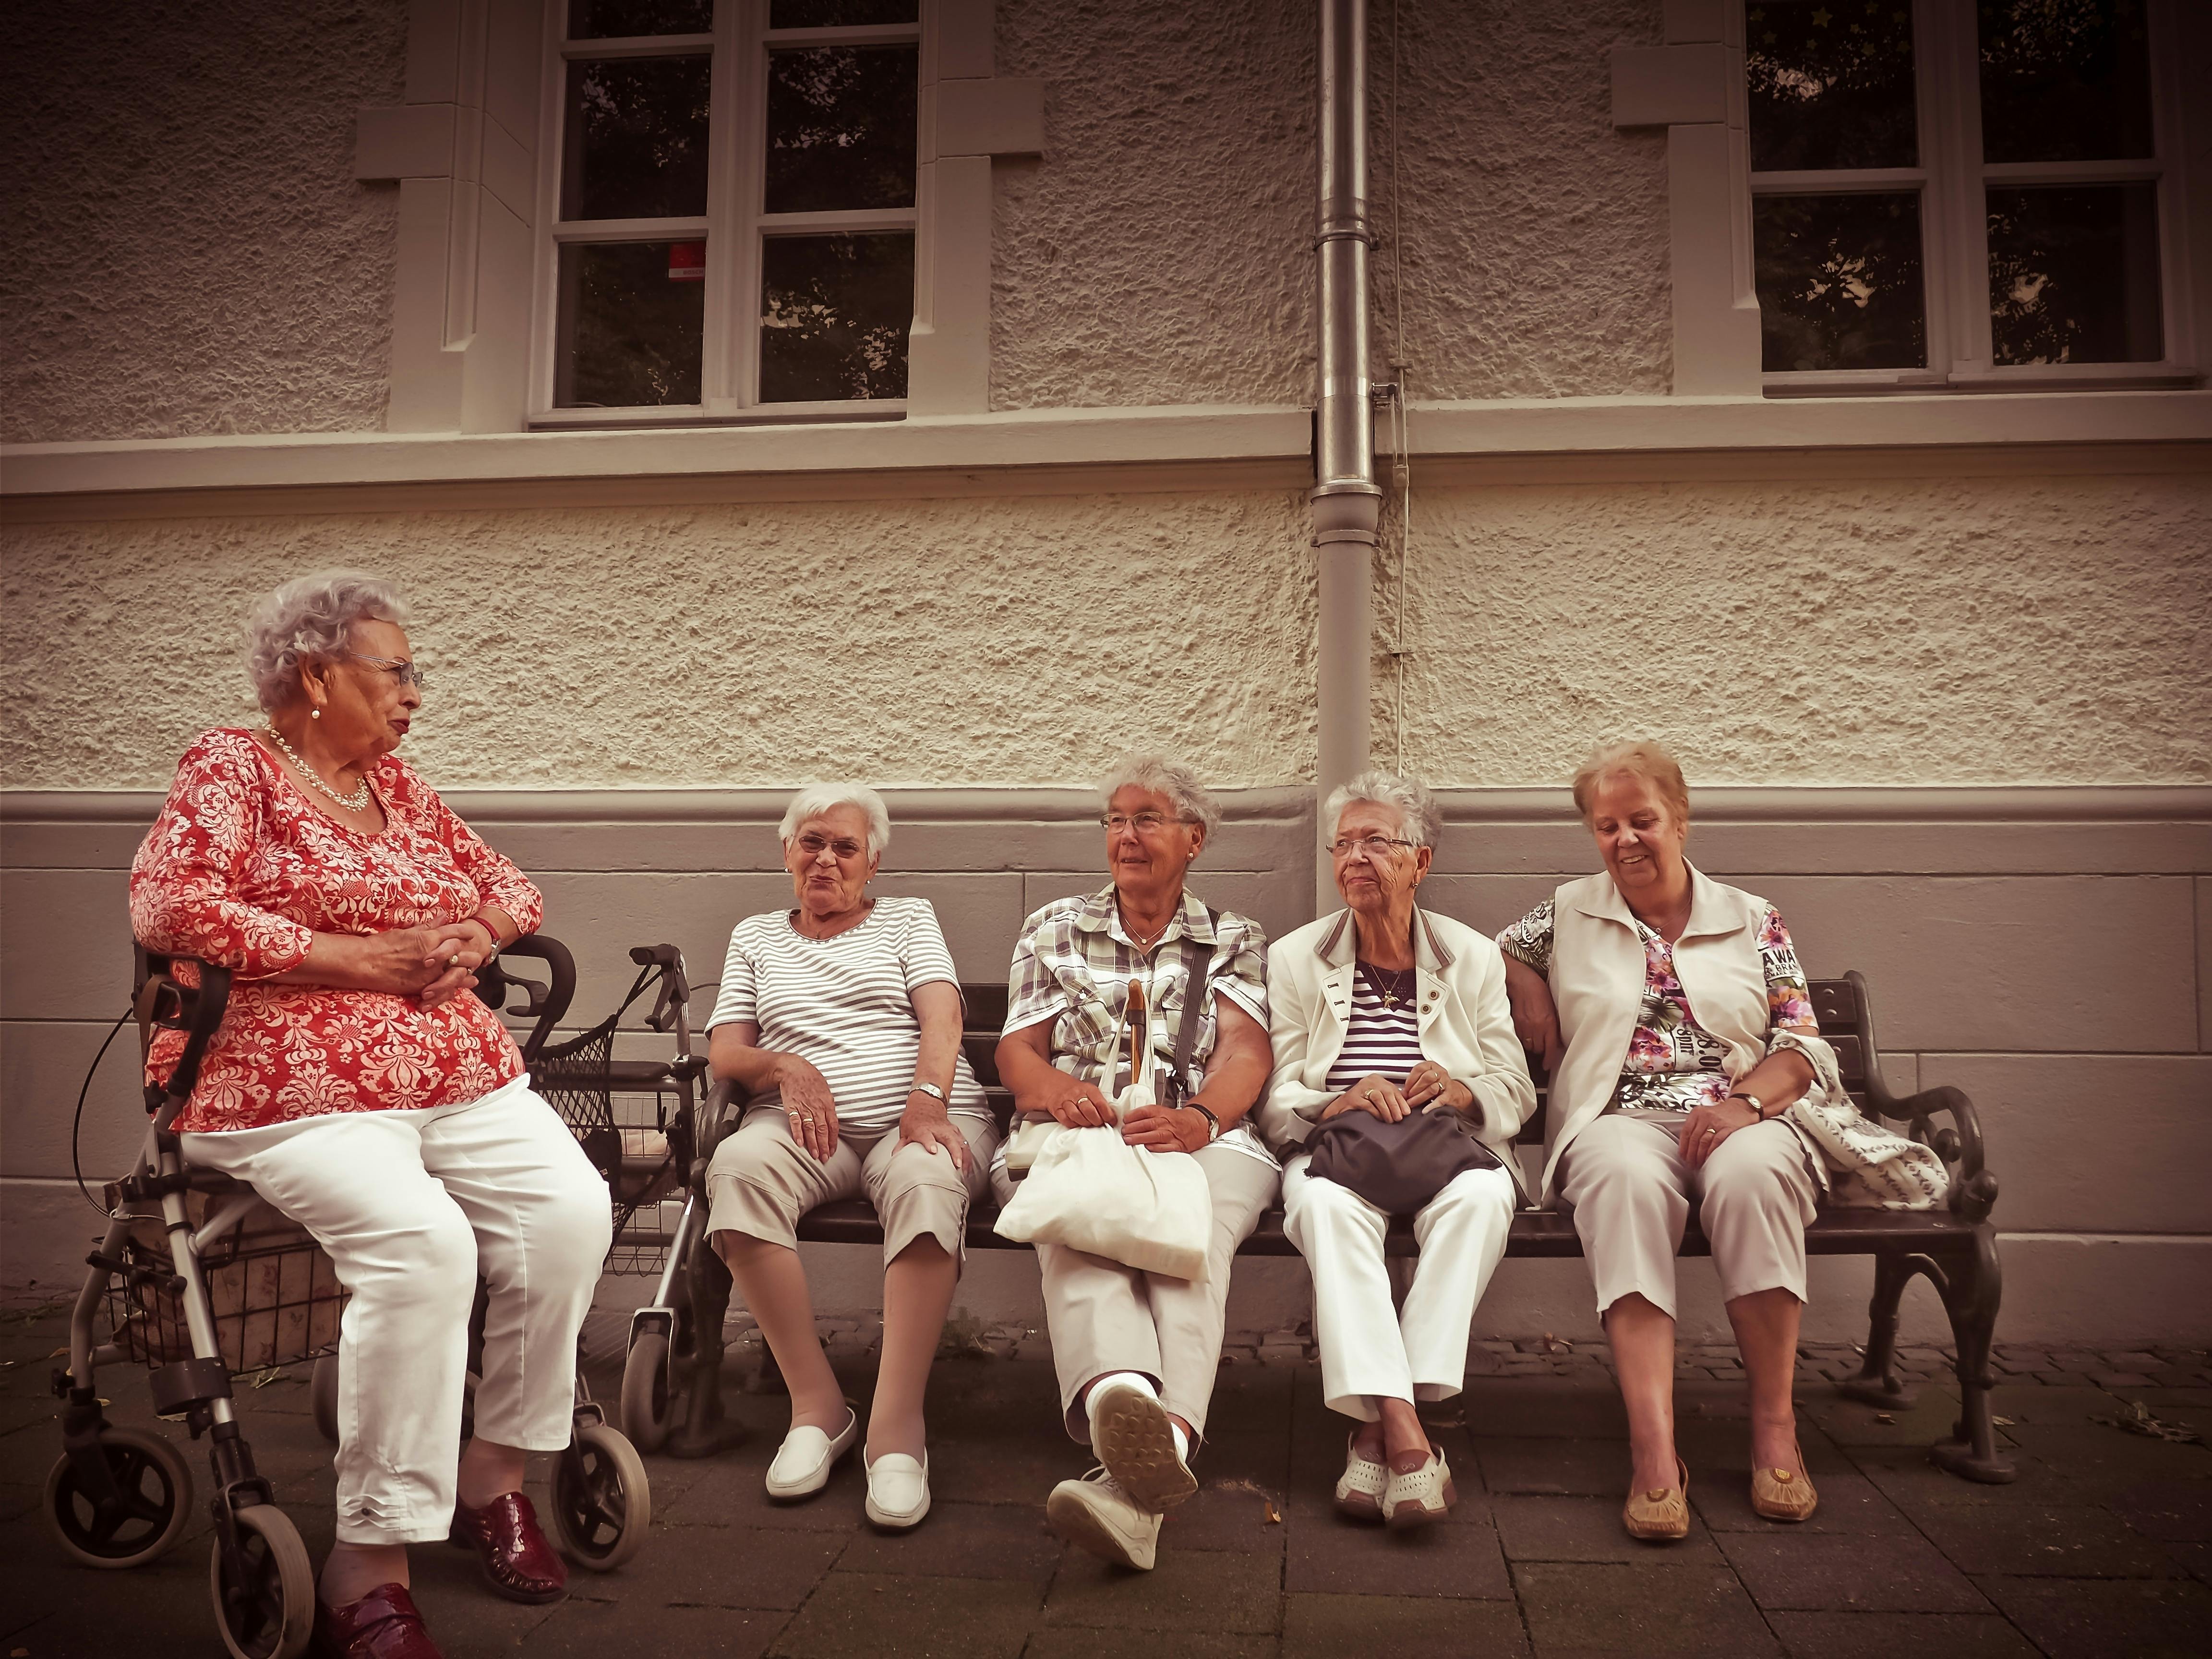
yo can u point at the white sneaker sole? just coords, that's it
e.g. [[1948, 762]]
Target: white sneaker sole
[[1074, 1522], [1135, 1440]]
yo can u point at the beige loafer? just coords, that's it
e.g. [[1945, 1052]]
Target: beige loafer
[[1095, 1515], [1783, 1494], [1419, 1495], [1661, 1515], [1359, 1489], [803, 1463]]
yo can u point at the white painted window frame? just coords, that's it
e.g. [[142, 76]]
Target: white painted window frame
[[735, 221], [465, 147], [1950, 181]]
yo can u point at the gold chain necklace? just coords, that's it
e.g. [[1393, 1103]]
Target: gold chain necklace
[[356, 802]]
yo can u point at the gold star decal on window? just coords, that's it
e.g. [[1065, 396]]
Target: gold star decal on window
[[1822, 18]]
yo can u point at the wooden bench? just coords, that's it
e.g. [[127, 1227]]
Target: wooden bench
[[1955, 1248]]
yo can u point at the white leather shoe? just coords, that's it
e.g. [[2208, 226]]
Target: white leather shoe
[[1359, 1489], [1135, 1442], [1420, 1496], [898, 1489], [803, 1462], [1094, 1514]]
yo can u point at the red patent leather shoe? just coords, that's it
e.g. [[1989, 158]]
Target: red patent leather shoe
[[518, 1563], [382, 1624]]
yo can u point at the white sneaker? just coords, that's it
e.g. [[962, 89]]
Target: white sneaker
[[802, 1463], [898, 1489], [1133, 1440], [1094, 1514]]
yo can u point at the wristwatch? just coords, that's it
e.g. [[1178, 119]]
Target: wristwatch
[[931, 1089], [1213, 1124], [1758, 1106]]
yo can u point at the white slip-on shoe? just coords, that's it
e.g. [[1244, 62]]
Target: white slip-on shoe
[[898, 1489], [1094, 1514], [1420, 1496], [802, 1463], [1132, 1438], [1359, 1489]]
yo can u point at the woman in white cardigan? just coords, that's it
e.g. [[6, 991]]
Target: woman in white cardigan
[[1679, 1030], [1385, 1008]]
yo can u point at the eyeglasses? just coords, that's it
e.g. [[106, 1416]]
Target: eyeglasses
[[398, 667], [1376, 846], [813, 843], [1144, 823]]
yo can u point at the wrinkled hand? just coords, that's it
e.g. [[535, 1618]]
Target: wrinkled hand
[[408, 961], [457, 950], [1536, 1015], [1373, 1093], [809, 1107], [1706, 1127], [925, 1124], [1160, 1130], [1429, 1087], [1077, 1104]]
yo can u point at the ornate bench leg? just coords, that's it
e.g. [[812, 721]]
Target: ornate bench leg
[[1878, 1383], [705, 1429], [1976, 1288]]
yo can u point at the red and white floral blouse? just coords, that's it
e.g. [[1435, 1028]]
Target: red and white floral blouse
[[242, 869]]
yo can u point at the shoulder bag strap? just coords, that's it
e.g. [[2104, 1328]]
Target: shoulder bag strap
[[1194, 1002]]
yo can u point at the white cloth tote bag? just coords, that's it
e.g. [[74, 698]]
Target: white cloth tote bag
[[1090, 1190]]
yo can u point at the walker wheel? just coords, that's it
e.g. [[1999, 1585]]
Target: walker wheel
[[270, 1613], [322, 1392], [601, 1503], [645, 1392], [154, 1488]]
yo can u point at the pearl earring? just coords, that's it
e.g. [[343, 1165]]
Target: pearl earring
[[314, 714]]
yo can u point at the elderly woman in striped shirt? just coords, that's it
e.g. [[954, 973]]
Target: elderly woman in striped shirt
[[840, 1019], [1386, 1008]]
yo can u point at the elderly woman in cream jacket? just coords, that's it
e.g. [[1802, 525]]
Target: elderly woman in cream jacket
[[1384, 1008], [1686, 1067]]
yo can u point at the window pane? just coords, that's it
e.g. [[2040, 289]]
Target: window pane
[[839, 13], [2065, 81], [636, 138], [632, 316], [607, 20], [2074, 274], [841, 129], [1831, 84], [835, 313], [1839, 282]]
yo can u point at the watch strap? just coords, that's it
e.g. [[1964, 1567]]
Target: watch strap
[[932, 1091]]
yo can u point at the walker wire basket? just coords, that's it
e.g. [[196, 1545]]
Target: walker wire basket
[[274, 1293], [623, 1130]]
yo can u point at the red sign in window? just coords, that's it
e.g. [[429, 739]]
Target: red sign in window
[[687, 261]]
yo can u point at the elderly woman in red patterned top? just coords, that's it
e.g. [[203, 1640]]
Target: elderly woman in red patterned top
[[360, 1090]]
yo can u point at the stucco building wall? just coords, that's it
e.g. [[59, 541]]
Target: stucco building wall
[[949, 642], [1890, 632], [1528, 234], [187, 249]]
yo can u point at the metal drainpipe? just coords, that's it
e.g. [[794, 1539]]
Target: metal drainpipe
[[1347, 506]]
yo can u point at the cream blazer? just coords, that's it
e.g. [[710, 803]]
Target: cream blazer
[[1466, 1026], [1597, 983]]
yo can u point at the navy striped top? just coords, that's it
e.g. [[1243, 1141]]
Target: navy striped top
[[1381, 1040]]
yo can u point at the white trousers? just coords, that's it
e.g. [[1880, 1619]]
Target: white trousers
[[1630, 1189], [1369, 1351], [411, 1208]]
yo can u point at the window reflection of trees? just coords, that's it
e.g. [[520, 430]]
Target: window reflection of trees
[[636, 335], [1839, 282], [834, 314], [2074, 275], [2065, 80], [1830, 83], [841, 128], [637, 133]]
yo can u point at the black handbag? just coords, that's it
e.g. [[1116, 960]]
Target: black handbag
[[1397, 1167]]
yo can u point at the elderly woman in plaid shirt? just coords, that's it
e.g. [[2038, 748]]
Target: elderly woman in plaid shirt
[[1136, 1351]]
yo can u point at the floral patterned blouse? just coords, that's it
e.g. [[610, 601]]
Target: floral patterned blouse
[[1674, 1063], [242, 869]]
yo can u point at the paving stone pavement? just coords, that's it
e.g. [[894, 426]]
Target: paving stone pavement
[[2102, 1547]]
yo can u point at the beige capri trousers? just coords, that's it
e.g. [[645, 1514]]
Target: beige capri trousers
[[1105, 1316], [1625, 1178], [762, 1181]]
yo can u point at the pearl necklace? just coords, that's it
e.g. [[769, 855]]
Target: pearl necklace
[[356, 802]]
